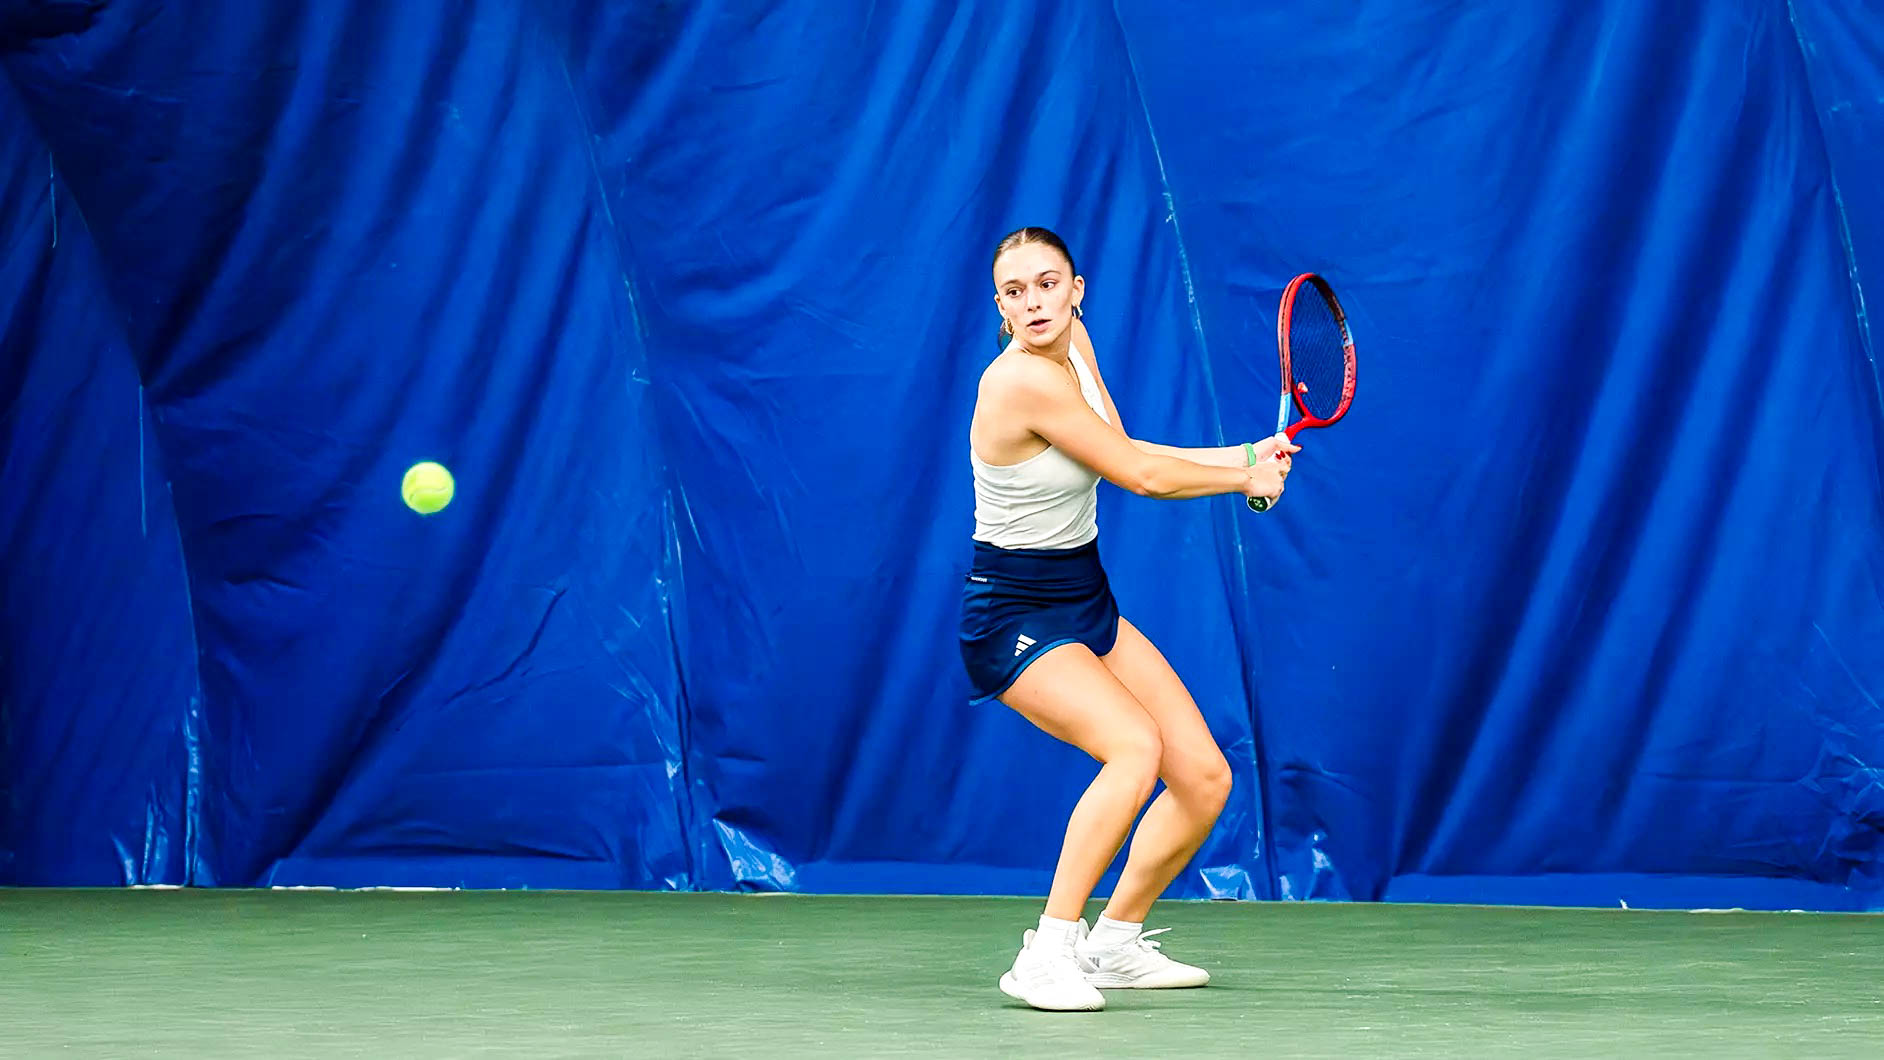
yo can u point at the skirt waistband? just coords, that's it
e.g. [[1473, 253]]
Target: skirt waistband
[[1053, 571]]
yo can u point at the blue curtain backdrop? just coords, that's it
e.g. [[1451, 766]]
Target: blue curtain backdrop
[[1584, 603]]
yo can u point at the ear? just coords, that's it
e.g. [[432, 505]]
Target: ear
[[1079, 289]]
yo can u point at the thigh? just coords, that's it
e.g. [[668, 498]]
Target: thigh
[[1070, 695], [1143, 670]]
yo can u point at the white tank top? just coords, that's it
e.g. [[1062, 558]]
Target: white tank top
[[1048, 500]]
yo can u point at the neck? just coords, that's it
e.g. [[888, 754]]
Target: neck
[[1060, 350]]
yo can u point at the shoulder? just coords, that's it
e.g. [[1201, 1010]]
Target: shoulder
[[1082, 341], [1022, 376]]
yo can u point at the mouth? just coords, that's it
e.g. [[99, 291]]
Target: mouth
[[1040, 325]]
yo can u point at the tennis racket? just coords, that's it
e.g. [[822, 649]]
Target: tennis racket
[[1317, 353]]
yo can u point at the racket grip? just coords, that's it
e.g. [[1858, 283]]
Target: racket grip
[[1260, 504]]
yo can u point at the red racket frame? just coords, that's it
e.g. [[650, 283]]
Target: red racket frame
[[1308, 419], [1283, 317]]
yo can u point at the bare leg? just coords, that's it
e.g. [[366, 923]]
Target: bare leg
[[1071, 695], [1196, 777]]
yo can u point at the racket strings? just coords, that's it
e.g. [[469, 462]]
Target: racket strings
[[1318, 360]]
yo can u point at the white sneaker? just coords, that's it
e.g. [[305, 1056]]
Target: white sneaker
[[1050, 979], [1134, 965]]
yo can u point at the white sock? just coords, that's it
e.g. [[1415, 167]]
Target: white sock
[[1054, 934], [1108, 933]]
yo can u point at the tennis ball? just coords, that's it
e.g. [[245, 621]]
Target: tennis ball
[[427, 487]]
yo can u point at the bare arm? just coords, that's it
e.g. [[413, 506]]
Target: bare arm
[[1223, 455], [1214, 456], [1047, 401]]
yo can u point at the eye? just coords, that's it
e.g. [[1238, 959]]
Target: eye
[[1013, 292], [1049, 283]]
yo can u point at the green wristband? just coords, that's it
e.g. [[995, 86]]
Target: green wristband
[[1249, 454]]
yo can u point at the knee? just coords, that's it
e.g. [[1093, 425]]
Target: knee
[[1204, 785], [1138, 754]]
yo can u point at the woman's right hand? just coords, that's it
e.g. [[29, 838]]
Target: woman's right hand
[[1266, 477]]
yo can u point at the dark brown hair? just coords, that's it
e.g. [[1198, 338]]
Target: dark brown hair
[[1030, 234]]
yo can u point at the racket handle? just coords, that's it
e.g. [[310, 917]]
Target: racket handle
[[1263, 504]]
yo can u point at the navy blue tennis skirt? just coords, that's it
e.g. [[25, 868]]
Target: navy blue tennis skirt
[[1019, 602]]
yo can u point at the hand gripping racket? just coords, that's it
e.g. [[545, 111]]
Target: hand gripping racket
[[1317, 353]]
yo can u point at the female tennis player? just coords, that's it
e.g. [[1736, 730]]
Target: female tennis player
[[1042, 634]]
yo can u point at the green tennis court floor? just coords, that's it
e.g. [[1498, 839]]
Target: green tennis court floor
[[541, 974]]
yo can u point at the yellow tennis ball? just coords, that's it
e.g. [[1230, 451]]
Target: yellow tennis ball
[[427, 487]]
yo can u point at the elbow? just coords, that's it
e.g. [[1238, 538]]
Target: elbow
[[1150, 480]]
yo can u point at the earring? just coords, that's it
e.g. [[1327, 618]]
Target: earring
[[1078, 313], [1007, 326]]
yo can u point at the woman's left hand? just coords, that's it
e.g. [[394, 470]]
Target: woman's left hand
[[1277, 443]]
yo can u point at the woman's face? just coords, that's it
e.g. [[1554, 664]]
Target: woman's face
[[1036, 291]]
